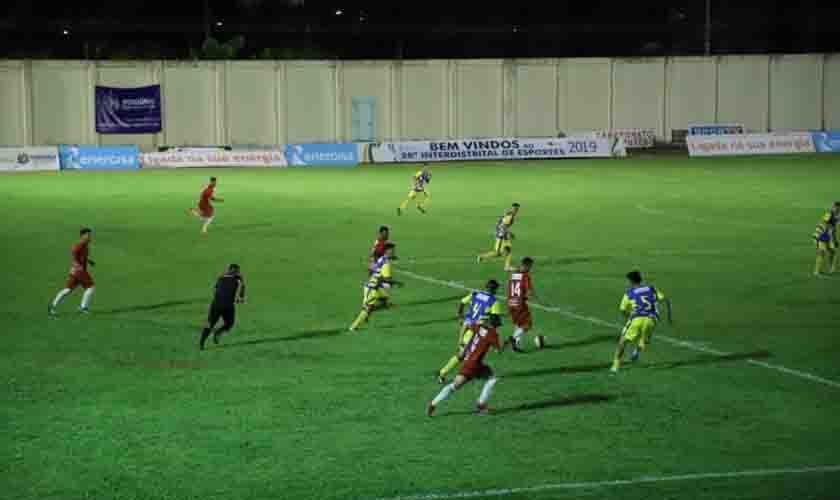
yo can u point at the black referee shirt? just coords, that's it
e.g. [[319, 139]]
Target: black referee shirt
[[227, 286]]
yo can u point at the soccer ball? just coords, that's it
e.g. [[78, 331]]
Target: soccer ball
[[539, 341]]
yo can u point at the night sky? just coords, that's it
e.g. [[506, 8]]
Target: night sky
[[434, 29]]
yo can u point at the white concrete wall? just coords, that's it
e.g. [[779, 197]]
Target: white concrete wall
[[275, 102]]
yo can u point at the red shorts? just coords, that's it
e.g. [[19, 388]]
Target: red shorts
[[476, 370], [206, 212], [520, 316], [81, 278]]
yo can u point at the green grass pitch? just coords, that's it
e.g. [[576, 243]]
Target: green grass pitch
[[120, 404]]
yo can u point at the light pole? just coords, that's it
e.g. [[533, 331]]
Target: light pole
[[708, 27]]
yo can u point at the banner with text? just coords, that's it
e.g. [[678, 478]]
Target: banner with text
[[28, 159], [493, 149], [715, 129], [634, 138], [346, 155], [128, 110], [827, 142], [213, 158], [75, 157], [750, 144]]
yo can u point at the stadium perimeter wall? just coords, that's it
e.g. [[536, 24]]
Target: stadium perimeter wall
[[280, 102]]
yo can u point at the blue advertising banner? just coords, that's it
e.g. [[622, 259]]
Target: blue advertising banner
[[322, 154], [715, 129], [128, 110], [74, 157], [827, 142]]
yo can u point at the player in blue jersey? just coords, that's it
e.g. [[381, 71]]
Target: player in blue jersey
[[825, 237], [418, 187], [376, 291], [479, 306], [639, 306]]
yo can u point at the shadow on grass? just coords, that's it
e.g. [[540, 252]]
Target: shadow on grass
[[595, 339], [406, 324], [152, 307], [577, 399], [310, 334], [705, 359], [567, 261], [441, 300]]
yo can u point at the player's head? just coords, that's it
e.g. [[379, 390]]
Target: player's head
[[494, 320], [212, 181], [233, 268], [635, 277], [86, 233], [527, 263], [515, 208], [384, 231], [390, 248], [492, 286]]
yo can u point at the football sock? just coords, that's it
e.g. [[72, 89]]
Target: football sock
[[404, 204], [489, 255], [507, 260], [517, 334], [363, 316], [444, 393], [60, 297], [486, 391], [616, 364], [86, 297], [834, 259], [449, 366], [819, 265], [204, 334]]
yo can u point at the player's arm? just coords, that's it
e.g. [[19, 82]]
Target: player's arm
[[241, 290], [219, 200], [462, 304], [626, 307], [665, 300]]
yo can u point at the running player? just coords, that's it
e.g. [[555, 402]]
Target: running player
[[378, 249], [418, 186], [520, 288], [826, 241], [639, 306], [79, 275], [833, 215], [485, 337], [480, 305], [503, 246], [230, 290], [376, 290], [205, 209]]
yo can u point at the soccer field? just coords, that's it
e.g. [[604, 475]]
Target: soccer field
[[739, 399]]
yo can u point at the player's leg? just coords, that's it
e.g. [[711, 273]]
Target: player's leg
[[833, 260], [629, 334], [647, 327], [445, 392], [421, 205], [821, 258], [228, 320], [454, 361], [496, 252], [487, 374], [404, 204], [88, 285], [369, 305], [212, 318], [206, 221], [69, 286]]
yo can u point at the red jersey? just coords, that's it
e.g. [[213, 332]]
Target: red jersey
[[518, 288], [80, 258], [206, 196], [379, 247], [480, 344]]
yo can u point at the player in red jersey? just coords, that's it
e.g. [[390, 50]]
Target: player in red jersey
[[79, 275], [378, 249], [485, 337], [205, 209], [520, 287]]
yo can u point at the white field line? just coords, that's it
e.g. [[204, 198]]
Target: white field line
[[619, 482], [670, 340]]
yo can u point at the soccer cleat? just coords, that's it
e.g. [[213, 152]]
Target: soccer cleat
[[216, 336], [636, 355], [482, 409], [478, 259], [50, 310], [514, 345], [421, 209], [399, 211], [430, 410], [84, 310], [441, 379]]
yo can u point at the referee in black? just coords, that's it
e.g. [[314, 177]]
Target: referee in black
[[230, 289]]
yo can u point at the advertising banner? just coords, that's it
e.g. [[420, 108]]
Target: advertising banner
[[751, 144], [28, 159], [715, 129], [827, 142], [493, 149], [75, 157], [128, 110], [634, 138], [346, 155], [213, 158]]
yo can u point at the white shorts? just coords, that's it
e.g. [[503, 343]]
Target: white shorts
[[206, 220]]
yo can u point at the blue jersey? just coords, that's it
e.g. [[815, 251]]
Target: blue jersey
[[380, 273], [641, 302], [421, 179], [480, 304]]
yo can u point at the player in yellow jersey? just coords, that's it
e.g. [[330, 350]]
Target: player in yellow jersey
[[639, 306], [833, 215], [376, 291], [418, 186], [826, 240], [503, 246], [479, 304]]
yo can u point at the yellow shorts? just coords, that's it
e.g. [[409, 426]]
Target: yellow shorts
[[826, 246], [500, 246], [413, 194], [373, 298], [466, 336], [639, 329]]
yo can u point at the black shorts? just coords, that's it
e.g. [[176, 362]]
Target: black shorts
[[226, 313]]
